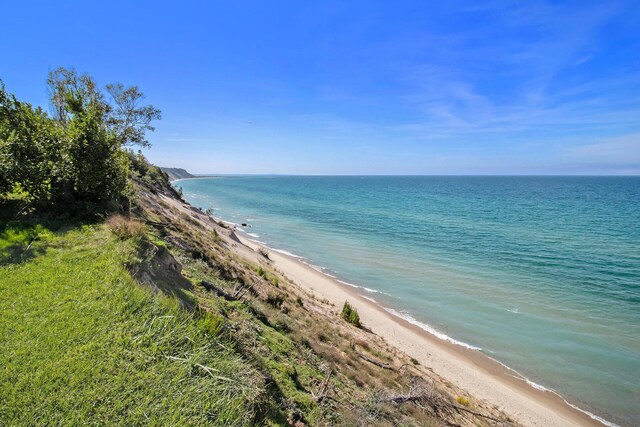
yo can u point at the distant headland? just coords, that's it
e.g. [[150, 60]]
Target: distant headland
[[176, 173]]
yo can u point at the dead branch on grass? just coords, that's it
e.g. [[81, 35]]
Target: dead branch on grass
[[322, 390]]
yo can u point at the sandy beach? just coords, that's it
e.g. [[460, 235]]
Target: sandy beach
[[469, 369]]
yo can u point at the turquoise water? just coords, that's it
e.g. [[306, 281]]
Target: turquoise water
[[541, 273]]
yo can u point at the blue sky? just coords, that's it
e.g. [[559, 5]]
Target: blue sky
[[356, 87]]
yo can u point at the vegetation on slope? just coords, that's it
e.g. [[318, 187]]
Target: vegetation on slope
[[75, 156], [81, 341], [154, 317]]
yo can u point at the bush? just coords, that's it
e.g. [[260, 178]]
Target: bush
[[264, 253], [76, 154], [281, 325], [125, 228], [275, 300], [463, 401], [350, 314]]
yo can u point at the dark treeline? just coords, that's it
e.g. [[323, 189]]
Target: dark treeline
[[79, 152]]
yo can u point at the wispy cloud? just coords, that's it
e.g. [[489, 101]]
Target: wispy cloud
[[523, 77], [180, 140], [621, 150]]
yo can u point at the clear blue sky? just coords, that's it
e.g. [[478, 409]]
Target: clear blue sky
[[398, 87]]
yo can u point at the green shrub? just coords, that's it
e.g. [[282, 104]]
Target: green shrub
[[463, 401], [282, 326], [275, 300], [350, 314], [76, 154]]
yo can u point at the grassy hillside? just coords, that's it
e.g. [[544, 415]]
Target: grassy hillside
[[82, 341], [156, 320]]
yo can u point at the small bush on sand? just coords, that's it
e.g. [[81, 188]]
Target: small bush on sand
[[350, 314], [264, 253], [125, 228], [463, 400]]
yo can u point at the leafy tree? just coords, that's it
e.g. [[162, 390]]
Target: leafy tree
[[99, 167], [70, 93], [5, 156], [127, 118], [98, 131], [29, 149], [78, 152]]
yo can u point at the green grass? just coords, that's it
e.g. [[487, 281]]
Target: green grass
[[82, 343], [293, 370]]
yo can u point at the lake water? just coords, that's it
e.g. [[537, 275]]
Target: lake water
[[540, 273]]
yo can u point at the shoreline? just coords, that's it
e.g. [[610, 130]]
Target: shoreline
[[173, 181], [464, 365]]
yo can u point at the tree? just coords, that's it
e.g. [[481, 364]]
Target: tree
[[5, 156], [76, 153], [99, 167], [70, 93], [127, 118], [29, 149], [98, 131]]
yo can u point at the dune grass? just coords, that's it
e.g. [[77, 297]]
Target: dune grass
[[82, 343]]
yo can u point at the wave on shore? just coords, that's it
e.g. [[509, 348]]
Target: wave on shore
[[428, 328]]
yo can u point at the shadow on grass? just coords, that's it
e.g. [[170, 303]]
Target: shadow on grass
[[26, 229], [21, 242]]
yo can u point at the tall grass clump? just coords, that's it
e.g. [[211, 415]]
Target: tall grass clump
[[125, 228]]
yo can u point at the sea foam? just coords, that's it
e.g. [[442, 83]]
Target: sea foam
[[430, 329]]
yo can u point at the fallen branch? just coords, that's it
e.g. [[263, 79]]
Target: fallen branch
[[219, 292], [22, 210], [440, 405], [238, 292], [478, 414], [29, 245], [155, 223], [375, 362], [442, 408], [322, 390]]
